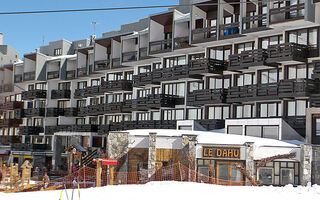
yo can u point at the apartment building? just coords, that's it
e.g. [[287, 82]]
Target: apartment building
[[250, 68]]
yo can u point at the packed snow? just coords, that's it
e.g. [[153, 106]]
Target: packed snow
[[175, 190]]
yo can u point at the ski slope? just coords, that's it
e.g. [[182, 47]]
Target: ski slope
[[175, 190]]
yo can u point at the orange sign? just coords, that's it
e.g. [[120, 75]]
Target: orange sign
[[221, 152]]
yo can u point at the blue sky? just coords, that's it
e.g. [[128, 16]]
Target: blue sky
[[25, 33]]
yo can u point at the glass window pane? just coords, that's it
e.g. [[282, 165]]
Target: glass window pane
[[301, 71], [271, 132], [265, 43], [192, 114], [272, 109], [302, 37], [179, 115], [254, 131], [247, 111], [313, 35], [225, 112], [218, 83], [293, 37], [264, 77], [272, 76], [235, 174], [226, 83], [236, 130], [217, 113], [292, 73], [317, 126], [223, 172], [301, 107], [265, 176], [263, 110], [247, 79], [287, 176], [211, 113], [239, 112], [291, 108], [240, 80]]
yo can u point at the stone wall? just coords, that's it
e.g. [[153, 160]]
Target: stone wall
[[315, 173], [152, 154], [305, 164], [117, 145], [250, 166]]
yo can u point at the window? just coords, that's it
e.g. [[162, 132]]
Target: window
[[177, 89], [270, 76], [114, 76], [80, 121], [244, 111], [114, 98], [220, 53], [143, 92], [272, 109], [218, 82], [265, 175], [254, 131], [81, 103], [128, 75], [195, 85], [93, 120], [30, 87], [234, 129], [57, 52], [144, 69], [173, 114], [112, 119], [95, 82], [127, 96], [271, 132], [244, 47], [143, 116], [218, 112], [155, 115], [297, 108], [62, 104], [174, 61], [317, 126], [197, 56], [94, 101], [64, 86], [194, 113], [245, 79], [287, 176], [82, 84], [157, 66], [304, 36], [273, 40], [41, 86], [299, 71]]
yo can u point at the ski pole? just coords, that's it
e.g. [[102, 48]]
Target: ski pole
[[65, 188], [61, 194], [74, 181], [79, 190]]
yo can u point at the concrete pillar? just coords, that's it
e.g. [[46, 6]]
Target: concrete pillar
[[57, 151], [249, 158], [189, 143], [118, 149], [152, 154], [305, 164], [315, 165]]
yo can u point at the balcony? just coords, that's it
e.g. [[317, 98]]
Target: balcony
[[82, 71], [52, 112], [143, 79], [78, 128], [129, 56], [152, 101], [95, 109], [30, 130], [87, 92], [113, 107], [34, 94], [127, 105], [254, 23], [50, 130], [29, 76], [181, 42], [101, 65], [246, 59], [173, 73], [34, 112], [30, 147], [229, 30], [12, 105], [71, 74], [68, 112], [9, 140], [18, 78], [53, 75], [82, 111], [19, 113], [287, 53], [116, 63], [206, 96], [207, 34], [206, 65], [6, 123], [6, 88], [256, 92], [60, 94], [120, 85], [161, 46], [286, 13], [298, 88]]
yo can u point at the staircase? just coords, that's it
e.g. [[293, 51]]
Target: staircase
[[87, 160]]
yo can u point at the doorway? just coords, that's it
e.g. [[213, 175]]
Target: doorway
[[228, 174]]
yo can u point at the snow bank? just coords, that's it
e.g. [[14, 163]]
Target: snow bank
[[177, 190]]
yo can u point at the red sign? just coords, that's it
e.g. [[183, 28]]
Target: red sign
[[107, 162]]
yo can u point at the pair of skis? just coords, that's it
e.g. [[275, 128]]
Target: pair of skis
[[65, 189]]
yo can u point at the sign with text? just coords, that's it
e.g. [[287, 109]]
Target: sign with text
[[221, 152]]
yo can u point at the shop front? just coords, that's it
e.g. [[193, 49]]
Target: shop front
[[219, 164]]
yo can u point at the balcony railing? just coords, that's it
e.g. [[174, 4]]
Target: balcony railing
[[33, 94], [30, 130], [6, 88], [287, 52], [143, 79], [254, 23], [246, 59], [52, 112], [181, 42], [109, 86], [287, 13], [53, 75], [11, 105], [18, 78], [9, 140], [87, 92], [19, 113], [115, 107], [116, 63], [204, 34], [172, 73], [50, 130], [30, 147], [69, 112], [212, 124], [29, 76], [78, 128], [143, 53], [34, 112], [71, 74], [206, 96], [60, 94], [160, 46], [10, 123], [101, 65], [82, 71], [152, 101], [298, 88], [206, 65], [129, 56], [93, 110], [229, 30]]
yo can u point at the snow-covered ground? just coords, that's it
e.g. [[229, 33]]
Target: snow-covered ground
[[176, 190]]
